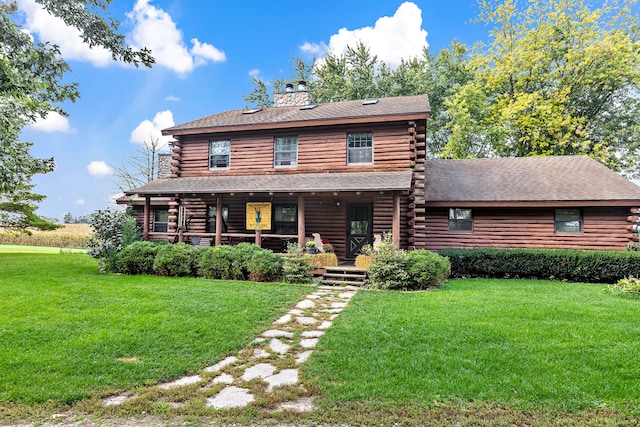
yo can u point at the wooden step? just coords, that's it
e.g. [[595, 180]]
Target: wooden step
[[344, 275]]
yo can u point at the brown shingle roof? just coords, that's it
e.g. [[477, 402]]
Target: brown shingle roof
[[527, 179], [308, 182], [352, 111]]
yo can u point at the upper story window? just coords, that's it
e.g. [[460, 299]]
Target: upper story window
[[568, 221], [161, 220], [460, 220], [285, 152], [219, 153], [359, 148]]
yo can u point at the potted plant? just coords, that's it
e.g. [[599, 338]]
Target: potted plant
[[311, 247], [328, 248]]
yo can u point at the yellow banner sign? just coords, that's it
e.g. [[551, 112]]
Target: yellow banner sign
[[258, 216]]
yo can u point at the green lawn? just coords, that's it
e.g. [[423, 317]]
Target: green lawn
[[67, 332], [529, 345]]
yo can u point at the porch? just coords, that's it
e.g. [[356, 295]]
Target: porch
[[347, 209]]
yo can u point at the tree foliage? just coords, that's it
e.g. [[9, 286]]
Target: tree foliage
[[32, 86], [557, 77]]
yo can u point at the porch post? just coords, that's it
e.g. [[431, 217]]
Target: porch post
[[301, 229], [145, 221], [395, 223], [218, 241]]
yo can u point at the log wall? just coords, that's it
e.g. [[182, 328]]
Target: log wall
[[318, 150], [603, 228]]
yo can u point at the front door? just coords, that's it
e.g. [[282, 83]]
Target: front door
[[359, 228]]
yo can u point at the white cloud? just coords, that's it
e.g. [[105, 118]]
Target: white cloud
[[172, 98], [79, 202], [254, 73], [149, 130], [54, 122], [154, 28], [99, 169], [315, 48], [54, 30], [392, 38]]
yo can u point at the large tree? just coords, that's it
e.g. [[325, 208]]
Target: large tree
[[557, 77], [31, 86], [358, 74]]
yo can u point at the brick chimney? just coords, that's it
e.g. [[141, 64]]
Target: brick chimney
[[294, 97]]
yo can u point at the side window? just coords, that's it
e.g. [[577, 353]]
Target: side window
[[219, 153], [212, 215], [359, 148], [161, 220], [460, 220], [568, 221], [285, 151]]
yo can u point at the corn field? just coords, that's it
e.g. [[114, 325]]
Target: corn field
[[71, 236]]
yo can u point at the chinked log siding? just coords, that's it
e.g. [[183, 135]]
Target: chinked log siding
[[318, 150], [603, 228]]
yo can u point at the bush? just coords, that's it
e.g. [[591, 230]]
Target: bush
[[265, 266], [137, 258], [215, 263], [546, 264], [243, 252], [427, 269], [176, 260], [112, 232], [388, 269], [629, 287], [295, 268]]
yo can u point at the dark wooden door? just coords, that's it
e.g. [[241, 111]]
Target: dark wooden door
[[359, 228]]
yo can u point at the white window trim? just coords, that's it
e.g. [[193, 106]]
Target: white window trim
[[372, 149], [275, 141], [229, 155]]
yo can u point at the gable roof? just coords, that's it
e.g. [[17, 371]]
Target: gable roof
[[386, 109], [536, 181], [305, 182]]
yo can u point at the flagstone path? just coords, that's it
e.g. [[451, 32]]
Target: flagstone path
[[271, 362]]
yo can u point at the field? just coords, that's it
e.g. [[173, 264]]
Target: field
[[69, 236]]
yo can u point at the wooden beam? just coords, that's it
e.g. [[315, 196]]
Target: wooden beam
[[218, 240], [301, 227], [395, 222], [145, 222]]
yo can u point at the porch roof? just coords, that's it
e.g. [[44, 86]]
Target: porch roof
[[297, 183]]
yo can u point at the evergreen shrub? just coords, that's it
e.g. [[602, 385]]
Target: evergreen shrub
[[547, 264], [137, 258], [176, 260]]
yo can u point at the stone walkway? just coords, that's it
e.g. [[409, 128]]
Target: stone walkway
[[270, 364]]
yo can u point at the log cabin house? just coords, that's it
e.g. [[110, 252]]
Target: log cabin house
[[353, 169]]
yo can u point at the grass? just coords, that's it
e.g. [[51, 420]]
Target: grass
[[531, 346], [68, 332], [26, 249]]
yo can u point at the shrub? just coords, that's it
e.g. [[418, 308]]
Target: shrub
[[112, 231], [295, 268], [137, 258], [176, 260], [243, 252], [629, 287], [427, 269], [388, 269], [265, 266], [215, 262], [548, 264]]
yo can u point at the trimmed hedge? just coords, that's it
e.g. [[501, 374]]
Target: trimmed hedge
[[547, 264]]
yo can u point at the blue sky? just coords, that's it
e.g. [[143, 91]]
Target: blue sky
[[206, 52]]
